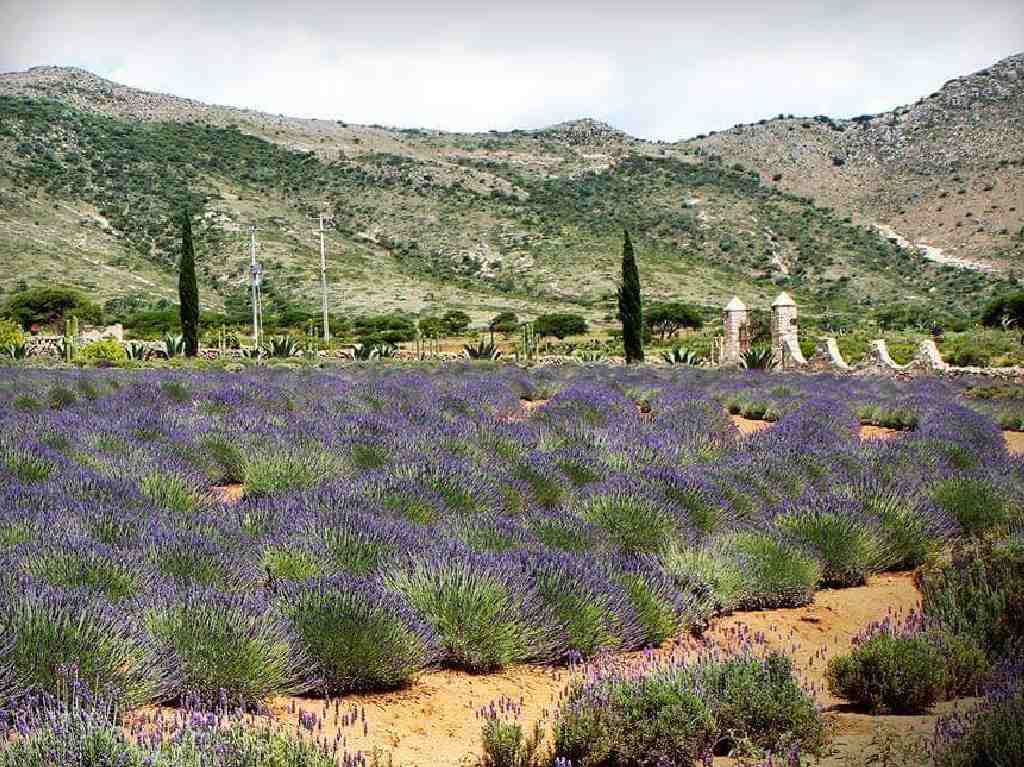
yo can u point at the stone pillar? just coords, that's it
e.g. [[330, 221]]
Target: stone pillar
[[783, 326], [736, 321]]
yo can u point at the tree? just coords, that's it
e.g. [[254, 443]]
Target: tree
[[630, 305], [667, 319], [188, 290], [1006, 312], [431, 327], [49, 306], [505, 323], [560, 325], [384, 329], [455, 322]]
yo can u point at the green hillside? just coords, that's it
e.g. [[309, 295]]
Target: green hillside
[[88, 199]]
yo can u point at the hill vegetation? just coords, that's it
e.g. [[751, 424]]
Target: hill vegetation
[[94, 175]]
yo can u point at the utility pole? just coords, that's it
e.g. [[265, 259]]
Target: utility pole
[[323, 282], [255, 278]]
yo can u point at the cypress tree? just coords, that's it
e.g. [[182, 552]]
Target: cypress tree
[[630, 307], [188, 290]]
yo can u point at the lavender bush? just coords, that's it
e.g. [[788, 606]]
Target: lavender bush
[[357, 635]]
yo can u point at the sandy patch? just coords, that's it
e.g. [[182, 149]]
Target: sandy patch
[[227, 494]]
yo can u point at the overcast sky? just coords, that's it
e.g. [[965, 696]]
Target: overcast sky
[[663, 70]]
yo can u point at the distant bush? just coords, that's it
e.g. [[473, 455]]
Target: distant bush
[[50, 306], [890, 673], [108, 350], [10, 333], [560, 325]]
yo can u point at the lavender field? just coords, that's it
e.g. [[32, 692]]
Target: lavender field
[[395, 519]]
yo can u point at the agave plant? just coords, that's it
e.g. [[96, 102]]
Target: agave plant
[[590, 355], [136, 350], [680, 356], [174, 346], [482, 351], [282, 346], [15, 351], [759, 358], [376, 351]]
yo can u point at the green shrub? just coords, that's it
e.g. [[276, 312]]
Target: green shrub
[[759, 702], [506, 745], [59, 397], [679, 714], [888, 673], [991, 736], [978, 597], [292, 563], [356, 635], [227, 645], [226, 458], [480, 618], [46, 634], [775, 574], [75, 736], [77, 567], [844, 545], [967, 665], [635, 524], [107, 350], [11, 334], [977, 504], [170, 491], [276, 472], [714, 582], [640, 722]]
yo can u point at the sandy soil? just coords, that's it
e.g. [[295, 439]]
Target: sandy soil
[[1014, 442], [229, 494], [434, 723]]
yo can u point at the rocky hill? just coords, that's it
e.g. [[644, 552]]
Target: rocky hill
[[946, 172], [91, 172]]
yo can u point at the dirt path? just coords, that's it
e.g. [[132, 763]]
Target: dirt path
[[434, 723]]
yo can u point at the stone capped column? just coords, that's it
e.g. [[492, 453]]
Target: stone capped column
[[783, 325], [736, 320]]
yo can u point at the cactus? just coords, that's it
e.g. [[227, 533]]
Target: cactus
[[529, 344]]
